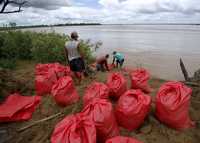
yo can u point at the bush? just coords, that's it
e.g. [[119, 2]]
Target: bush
[[15, 45], [40, 47], [48, 48], [7, 64]]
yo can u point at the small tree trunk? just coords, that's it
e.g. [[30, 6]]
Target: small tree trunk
[[184, 71]]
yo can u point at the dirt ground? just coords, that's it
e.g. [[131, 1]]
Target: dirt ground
[[152, 131]]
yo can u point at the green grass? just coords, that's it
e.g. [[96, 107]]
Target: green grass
[[39, 47]]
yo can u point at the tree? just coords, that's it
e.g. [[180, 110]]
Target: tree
[[12, 24], [5, 3]]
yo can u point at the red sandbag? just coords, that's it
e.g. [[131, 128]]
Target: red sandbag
[[120, 139], [139, 80], [96, 90], [47, 75], [117, 84], [132, 108], [64, 91], [111, 66], [172, 105], [18, 108], [74, 129], [101, 111]]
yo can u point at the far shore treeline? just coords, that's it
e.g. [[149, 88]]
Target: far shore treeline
[[14, 25], [16, 45]]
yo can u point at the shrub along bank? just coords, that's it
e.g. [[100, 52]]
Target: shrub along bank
[[39, 47]]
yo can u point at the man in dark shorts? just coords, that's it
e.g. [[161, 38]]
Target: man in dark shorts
[[119, 58], [73, 56], [102, 63]]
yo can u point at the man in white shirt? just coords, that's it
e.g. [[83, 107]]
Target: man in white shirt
[[73, 56]]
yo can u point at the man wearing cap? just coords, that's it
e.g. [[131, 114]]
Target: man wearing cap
[[72, 52]]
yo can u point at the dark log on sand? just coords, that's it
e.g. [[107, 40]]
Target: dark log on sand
[[184, 71]]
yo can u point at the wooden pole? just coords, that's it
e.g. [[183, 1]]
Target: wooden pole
[[40, 121], [184, 71]]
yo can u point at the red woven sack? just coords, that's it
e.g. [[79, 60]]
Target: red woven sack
[[95, 90], [132, 108], [47, 75], [172, 105], [117, 84], [18, 108], [64, 91], [101, 112], [74, 129], [139, 80]]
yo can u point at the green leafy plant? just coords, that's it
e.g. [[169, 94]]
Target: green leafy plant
[[40, 47]]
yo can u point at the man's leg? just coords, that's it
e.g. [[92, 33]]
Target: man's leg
[[121, 63], [118, 63], [78, 76], [98, 67], [102, 68]]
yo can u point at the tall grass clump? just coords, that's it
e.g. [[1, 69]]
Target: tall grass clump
[[39, 47]]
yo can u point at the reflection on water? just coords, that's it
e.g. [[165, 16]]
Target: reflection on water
[[156, 47]]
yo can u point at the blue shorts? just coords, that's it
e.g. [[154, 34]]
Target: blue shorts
[[77, 65]]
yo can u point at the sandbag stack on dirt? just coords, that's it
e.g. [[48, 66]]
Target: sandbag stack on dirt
[[139, 80], [96, 90], [132, 108], [47, 75], [117, 84], [18, 108], [172, 105], [74, 129], [121, 139], [64, 91], [101, 112]]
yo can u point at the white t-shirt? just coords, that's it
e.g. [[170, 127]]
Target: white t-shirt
[[72, 48]]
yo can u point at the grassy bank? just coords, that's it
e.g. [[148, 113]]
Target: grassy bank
[[152, 131], [38, 47]]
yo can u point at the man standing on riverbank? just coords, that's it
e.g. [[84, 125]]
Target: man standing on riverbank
[[73, 56], [102, 63], [119, 58]]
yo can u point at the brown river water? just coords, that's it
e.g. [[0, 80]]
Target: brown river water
[[155, 47]]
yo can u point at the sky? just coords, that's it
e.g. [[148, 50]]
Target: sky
[[37, 12]]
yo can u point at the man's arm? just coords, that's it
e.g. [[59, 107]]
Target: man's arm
[[66, 55], [113, 60], [106, 64]]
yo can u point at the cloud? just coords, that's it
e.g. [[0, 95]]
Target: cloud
[[106, 11], [47, 4], [156, 11], [153, 6]]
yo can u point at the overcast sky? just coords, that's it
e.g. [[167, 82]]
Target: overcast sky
[[105, 11]]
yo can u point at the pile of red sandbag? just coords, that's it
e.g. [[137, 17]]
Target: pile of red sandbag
[[139, 80], [172, 105], [74, 129], [101, 112], [95, 90], [18, 108], [47, 75], [121, 139], [64, 91], [132, 108], [117, 84]]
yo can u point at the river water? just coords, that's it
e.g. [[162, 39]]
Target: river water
[[155, 47]]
